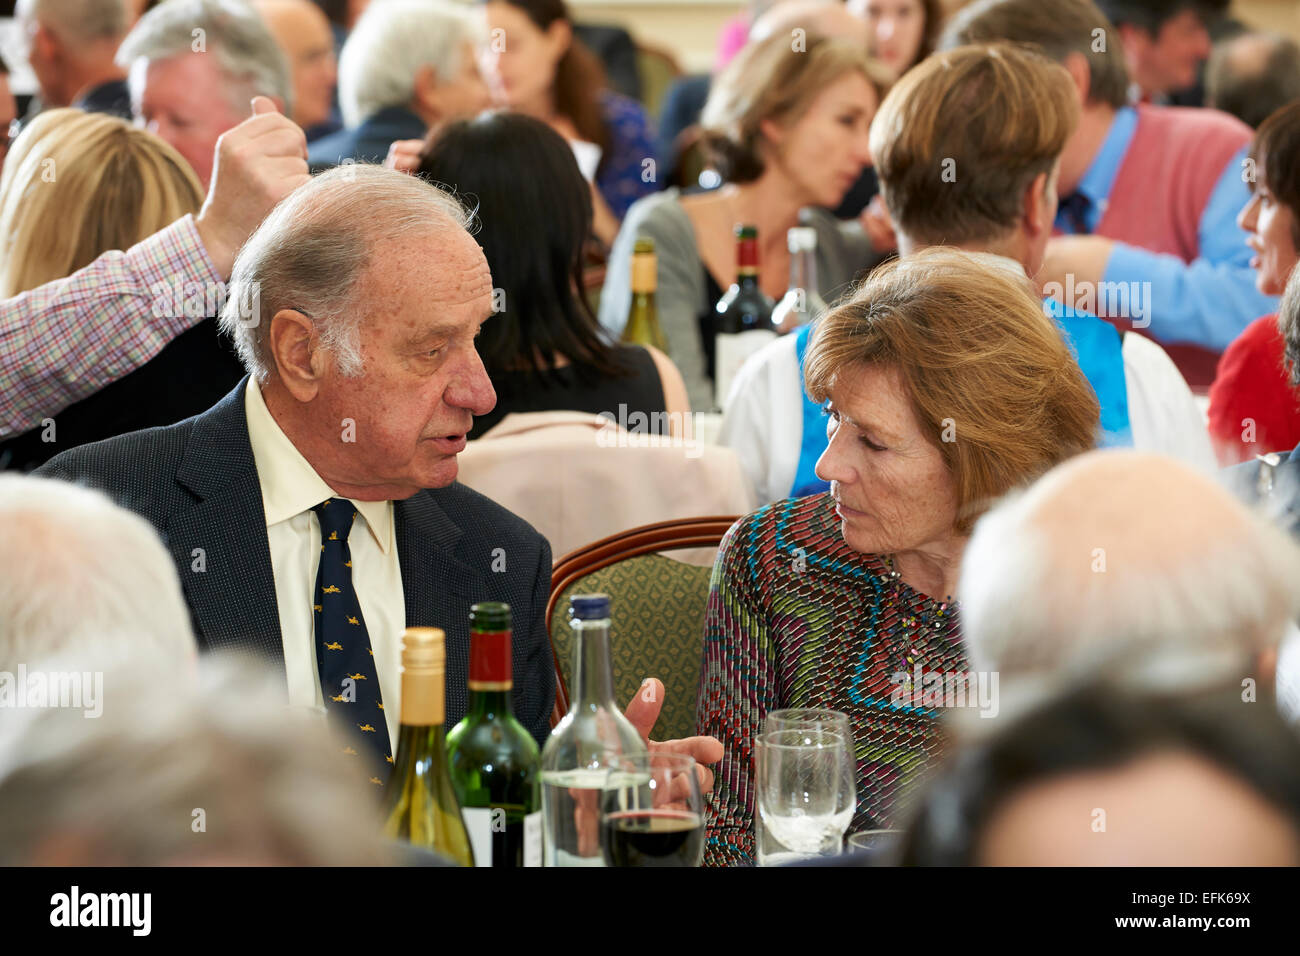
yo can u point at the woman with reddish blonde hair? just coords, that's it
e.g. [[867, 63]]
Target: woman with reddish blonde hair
[[946, 387]]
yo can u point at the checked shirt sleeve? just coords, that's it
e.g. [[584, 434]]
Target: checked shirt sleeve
[[69, 338]]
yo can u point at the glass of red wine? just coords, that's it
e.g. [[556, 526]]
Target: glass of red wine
[[652, 813]]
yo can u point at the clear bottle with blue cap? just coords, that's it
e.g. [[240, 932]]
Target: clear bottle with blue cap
[[583, 746]]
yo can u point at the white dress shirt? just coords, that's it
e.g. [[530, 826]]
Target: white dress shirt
[[290, 489]]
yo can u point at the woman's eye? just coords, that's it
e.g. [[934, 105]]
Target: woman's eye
[[872, 445]]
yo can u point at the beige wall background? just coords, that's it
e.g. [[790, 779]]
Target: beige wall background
[[689, 28]]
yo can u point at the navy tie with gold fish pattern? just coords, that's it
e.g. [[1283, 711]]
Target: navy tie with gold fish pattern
[[344, 658]]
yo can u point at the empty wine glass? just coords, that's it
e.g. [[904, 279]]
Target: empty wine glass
[[652, 813], [799, 784], [811, 718]]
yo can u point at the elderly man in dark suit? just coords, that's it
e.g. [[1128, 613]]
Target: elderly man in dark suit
[[313, 512]]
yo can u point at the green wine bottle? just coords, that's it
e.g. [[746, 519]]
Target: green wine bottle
[[422, 808], [493, 758], [643, 320]]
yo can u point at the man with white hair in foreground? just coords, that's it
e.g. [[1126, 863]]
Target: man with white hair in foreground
[[216, 774], [1138, 565], [84, 583]]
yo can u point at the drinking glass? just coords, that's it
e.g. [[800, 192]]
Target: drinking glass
[[799, 783], [800, 718], [652, 813]]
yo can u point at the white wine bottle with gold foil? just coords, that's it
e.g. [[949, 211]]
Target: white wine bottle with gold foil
[[422, 805]]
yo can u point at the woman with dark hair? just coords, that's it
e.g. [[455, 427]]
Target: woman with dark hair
[[902, 33], [543, 349], [1254, 409], [536, 66]]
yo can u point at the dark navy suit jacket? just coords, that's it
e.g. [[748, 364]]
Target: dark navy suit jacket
[[367, 142], [196, 481]]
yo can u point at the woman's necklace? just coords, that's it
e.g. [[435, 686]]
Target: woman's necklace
[[912, 631]]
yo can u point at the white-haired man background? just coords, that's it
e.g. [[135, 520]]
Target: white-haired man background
[[85, 581], [71, 46], [194, 67], [216, 772], [304, 35], [1133, 563], [407, 66]]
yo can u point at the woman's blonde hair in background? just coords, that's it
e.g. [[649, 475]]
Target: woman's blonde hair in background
[[76, 185], [774, 80]]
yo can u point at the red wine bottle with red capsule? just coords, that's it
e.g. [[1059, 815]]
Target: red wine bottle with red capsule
[[493, 759]]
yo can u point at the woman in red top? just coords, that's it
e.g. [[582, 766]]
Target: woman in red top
[[1253, 408]]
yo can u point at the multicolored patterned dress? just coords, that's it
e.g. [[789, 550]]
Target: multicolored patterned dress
[[797, 618]]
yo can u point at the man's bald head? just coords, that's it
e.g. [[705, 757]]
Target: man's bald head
[[1156, 810], [1253, 75], [1120, 556]]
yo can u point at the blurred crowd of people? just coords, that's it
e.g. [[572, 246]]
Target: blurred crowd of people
[[260, 258]]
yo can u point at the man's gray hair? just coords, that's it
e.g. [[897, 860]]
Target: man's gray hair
[[230, 30], [79, 21], [391, 41], [210, 769], [1043, 611], [84, 580], [1253, 75], [311, 253]]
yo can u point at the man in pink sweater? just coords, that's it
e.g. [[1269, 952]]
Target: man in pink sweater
[[1149, 194]]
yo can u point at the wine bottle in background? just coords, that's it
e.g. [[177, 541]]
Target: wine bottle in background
[[802, 303], [494, 760], [422, 807], [584, 745], [744, 317], [643, 320]]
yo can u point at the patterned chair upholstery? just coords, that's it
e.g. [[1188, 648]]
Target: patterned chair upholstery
[[658, 613]]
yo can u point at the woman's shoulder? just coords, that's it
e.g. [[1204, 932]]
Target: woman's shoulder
[[661, 216], [636, 358], [795, 536]]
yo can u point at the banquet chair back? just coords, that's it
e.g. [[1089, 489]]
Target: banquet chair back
[[657, 608], [658, 69]]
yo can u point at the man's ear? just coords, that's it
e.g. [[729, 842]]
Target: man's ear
[[1134, 39], [426, 81], [1034, 212], [299, 360], [1266, 661], [48, 44], [1076, 64]]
